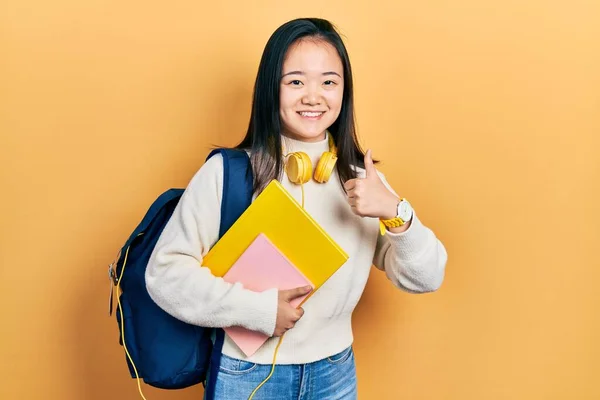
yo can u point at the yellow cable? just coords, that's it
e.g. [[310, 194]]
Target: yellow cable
[[123, 323], [272, 369]]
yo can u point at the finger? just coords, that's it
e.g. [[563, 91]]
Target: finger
[[297, 292], [298, 315], [350, 184], [369, 167], [357, 186], [352, 201]]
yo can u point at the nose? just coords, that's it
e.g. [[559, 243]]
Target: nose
[[312, 96]]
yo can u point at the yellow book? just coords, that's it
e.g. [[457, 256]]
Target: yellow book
[[277, 215]]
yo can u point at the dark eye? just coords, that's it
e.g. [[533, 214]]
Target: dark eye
[[328, 83], [296, 82]]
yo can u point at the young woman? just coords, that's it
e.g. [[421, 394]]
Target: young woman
[[303, 101]]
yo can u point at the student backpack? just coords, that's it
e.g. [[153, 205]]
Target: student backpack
[[168, 353]]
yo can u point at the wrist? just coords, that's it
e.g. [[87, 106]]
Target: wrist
[[390, 211]]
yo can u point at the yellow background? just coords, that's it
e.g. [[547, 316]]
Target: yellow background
[[485, 113]]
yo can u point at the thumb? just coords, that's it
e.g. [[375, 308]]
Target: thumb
[[291, 294], [369, 167]]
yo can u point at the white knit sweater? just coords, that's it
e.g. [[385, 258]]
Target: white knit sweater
[[413, 261]]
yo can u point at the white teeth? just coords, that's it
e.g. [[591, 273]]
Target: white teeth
[[310, 114]]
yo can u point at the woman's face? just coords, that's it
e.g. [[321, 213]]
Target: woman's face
[[311, 90]]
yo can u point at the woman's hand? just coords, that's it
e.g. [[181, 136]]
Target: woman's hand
[[368, 196], [287, 315]]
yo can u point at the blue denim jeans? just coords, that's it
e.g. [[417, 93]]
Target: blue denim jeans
[[333, 378]]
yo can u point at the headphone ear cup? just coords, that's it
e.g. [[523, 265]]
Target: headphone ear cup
[[298, 168], [325, 166]]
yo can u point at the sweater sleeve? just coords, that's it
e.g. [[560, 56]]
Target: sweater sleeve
[[175, 277], [414, 260]]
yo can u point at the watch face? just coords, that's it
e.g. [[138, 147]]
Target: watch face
[[404, 210]]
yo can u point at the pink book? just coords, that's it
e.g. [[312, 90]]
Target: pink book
[[261, 267]]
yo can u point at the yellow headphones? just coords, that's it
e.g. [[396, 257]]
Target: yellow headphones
[[298, 167]]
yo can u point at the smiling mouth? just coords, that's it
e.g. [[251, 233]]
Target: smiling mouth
[[311, 114]]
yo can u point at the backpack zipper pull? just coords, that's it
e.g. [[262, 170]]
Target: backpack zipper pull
[[112, 276]]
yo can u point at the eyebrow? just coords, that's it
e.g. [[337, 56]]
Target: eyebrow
[[302, 73]]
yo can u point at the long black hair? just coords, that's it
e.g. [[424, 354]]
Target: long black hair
[[263, 134]]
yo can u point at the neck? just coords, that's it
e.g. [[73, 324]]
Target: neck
[[313, 147], [298, 138]]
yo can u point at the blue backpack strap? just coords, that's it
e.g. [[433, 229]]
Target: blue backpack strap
[[237, 186], [157, 205], [236, 197]]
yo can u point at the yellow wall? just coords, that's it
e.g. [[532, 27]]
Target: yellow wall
[[486, 115]]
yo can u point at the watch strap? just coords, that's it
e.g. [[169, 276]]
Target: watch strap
[[390, 223]]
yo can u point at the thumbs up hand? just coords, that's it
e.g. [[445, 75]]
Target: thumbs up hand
[[368, 196]]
